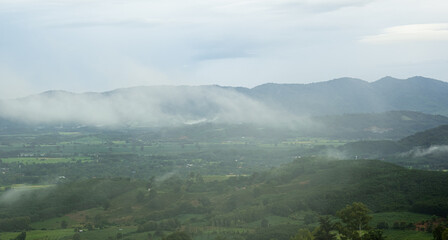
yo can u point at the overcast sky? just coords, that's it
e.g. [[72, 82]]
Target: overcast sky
[[99, 45]]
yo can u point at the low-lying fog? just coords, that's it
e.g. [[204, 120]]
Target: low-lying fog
[[146, 106]]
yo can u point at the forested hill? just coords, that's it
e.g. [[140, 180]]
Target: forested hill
[[419, 142], [268, 104], [431, 137], [386, 125], [318, 185], [424, 150], [349, 95]]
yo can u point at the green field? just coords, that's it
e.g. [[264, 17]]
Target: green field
[[391, 217], [29, 186], [44, 160], [209, 187], [40, 234], [407, 235]]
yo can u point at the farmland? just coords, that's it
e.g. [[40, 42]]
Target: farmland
[[137, 184]]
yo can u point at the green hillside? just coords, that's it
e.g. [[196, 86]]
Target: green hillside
[[423, 150], [435, 136], [349, 95], [292, 194], [387, 125]]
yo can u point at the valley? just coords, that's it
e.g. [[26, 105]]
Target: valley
[[140, 184], [222, 178], [223, 120]]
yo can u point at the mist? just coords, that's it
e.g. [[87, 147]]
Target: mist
[[146, 106], [12, 195], [16, 194], [422, 152]]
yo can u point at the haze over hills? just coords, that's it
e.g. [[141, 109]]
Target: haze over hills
[[153, 160], [272, 104], [423, 150]]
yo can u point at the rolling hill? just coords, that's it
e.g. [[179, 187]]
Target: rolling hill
[[431, 137]]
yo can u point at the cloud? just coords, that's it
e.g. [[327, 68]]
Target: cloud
[[422, 152], [13, 195], [145, 106], [80, 45], [413, 32]]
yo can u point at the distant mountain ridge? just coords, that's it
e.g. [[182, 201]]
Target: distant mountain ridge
[[269, 103], [350, 95]]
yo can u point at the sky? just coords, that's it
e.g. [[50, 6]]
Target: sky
[[100, 45]]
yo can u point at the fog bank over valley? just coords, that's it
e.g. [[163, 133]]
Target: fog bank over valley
[[144, 106], [289, 106]]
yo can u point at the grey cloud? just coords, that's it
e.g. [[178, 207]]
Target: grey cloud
[[80, 45], [145, 106]]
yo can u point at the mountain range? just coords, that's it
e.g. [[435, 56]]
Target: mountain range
[[350, 95], [273, 104]]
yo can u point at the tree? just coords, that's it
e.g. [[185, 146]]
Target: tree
[[396, 225], [309, 218], [89, 226], [199, 178], [106, 204], [140, 196], [220, 238], [15, 224], [374, 234], [264, 223], [76, 237], [64, 224], [355, 219], [323, 232], [303, 234], [382, 225], [21, 236], [178, 236], [438, 232], [445, 234], [152, 195], [256, 192]]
